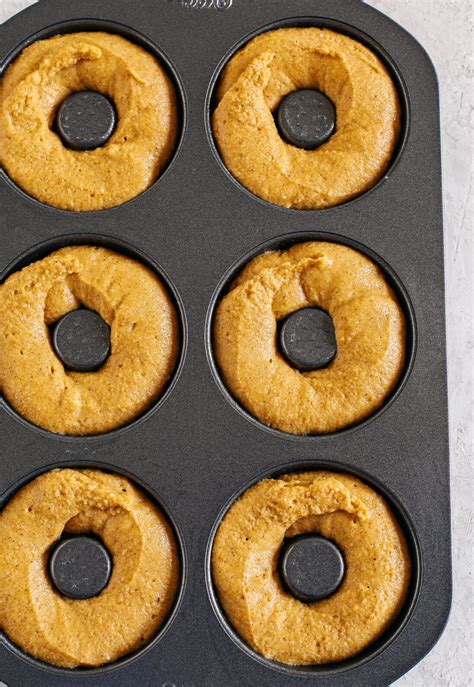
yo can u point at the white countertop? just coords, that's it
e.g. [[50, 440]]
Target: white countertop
[[445, 29]]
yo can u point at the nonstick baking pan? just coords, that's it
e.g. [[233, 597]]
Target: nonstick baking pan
[[196, 450]]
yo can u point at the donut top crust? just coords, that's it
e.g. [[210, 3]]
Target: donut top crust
[[145, 340], [35, 85], [276, 63], [245, 567], [141, 590], [370, 331]]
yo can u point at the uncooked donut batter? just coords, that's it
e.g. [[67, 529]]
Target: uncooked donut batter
[[34, 87], [245, 567], [370, 332], [145, 340], [276, 63], [141, 590]]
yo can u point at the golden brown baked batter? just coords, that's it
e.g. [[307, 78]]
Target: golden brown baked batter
[[276, 63], [370, 332], [46, 73], [245, 559], [140, 592], [144, 340]]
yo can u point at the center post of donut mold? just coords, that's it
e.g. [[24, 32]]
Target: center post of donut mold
[[311, 567], [81, 340], [86, 120], [306, 118], [80, 566], [307, 339]]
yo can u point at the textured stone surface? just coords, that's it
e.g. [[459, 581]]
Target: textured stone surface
[[445, 29]]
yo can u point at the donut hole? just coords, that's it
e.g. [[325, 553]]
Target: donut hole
[[306, 118], [289, 301], [311, 567], [85, 120], [61, 99], [312, 525], [79, 564], [307, 339], [330, 77], [81, 340]]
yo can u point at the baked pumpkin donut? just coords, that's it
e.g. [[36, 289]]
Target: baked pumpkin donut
[[277, 63], [34, 87], [369, 325], [245, 561], [144, 338], [141, 589]]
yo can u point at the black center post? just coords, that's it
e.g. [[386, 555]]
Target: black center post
[[306, 118], [80, 567], [86, 120], [307, 339], [81, 340], [311, 567]]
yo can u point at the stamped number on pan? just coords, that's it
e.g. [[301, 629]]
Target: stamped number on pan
[[204, 4]]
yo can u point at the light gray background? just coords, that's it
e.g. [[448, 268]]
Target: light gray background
[[445, 29]]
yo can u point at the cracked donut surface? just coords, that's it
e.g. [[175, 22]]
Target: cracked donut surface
[[142, 587], [370, 332], [145, 340], [245, 559], [276, 63], [35, 85]]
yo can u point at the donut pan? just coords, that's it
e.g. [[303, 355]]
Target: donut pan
[[196, 449]]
